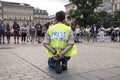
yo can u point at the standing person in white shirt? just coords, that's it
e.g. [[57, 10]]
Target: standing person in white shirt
[[87, 30], [102, 33], [77, 33]]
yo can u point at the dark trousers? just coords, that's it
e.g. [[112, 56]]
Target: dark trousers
[[2, 35], [88, 36], [16, 34], [8, 34], [94, 36], [77, 37], [24, 37], [119, 36], [51, 61]]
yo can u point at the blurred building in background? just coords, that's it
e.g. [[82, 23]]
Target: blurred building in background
[[69, 7], [40, 16], [11, 11], [109, 5], [52, 19], [116, 5], [0, 11], [22, 13]]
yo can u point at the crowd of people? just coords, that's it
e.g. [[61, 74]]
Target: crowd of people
[[36, 32], [25, 33], [92, 32]]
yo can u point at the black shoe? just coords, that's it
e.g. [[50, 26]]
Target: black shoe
[[0, 42], [3, 42], [17, 42], [14, 42], [64, 66], [58, 67]]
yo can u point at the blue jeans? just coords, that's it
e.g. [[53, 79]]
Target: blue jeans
[[2, 33], [51, 61]]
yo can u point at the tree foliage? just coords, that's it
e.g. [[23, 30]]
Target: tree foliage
[[85, 12], [116, 18], [104, 18]]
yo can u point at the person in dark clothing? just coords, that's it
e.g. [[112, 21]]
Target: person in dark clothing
[[114, 36], [32, 32], [119, 33], [8, 32], [16, 29], [111, 33], [73, 27], [111, 30], [39, 32], [2, 31], [94, 31]]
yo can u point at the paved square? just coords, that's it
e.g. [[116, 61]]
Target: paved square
[[94, 61]]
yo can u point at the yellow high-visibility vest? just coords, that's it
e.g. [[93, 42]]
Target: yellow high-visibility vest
[[59, 36]]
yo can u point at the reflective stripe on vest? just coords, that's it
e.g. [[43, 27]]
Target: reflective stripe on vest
[[64, 40]]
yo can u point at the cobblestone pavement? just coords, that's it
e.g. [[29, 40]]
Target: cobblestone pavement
[[94, 61]]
